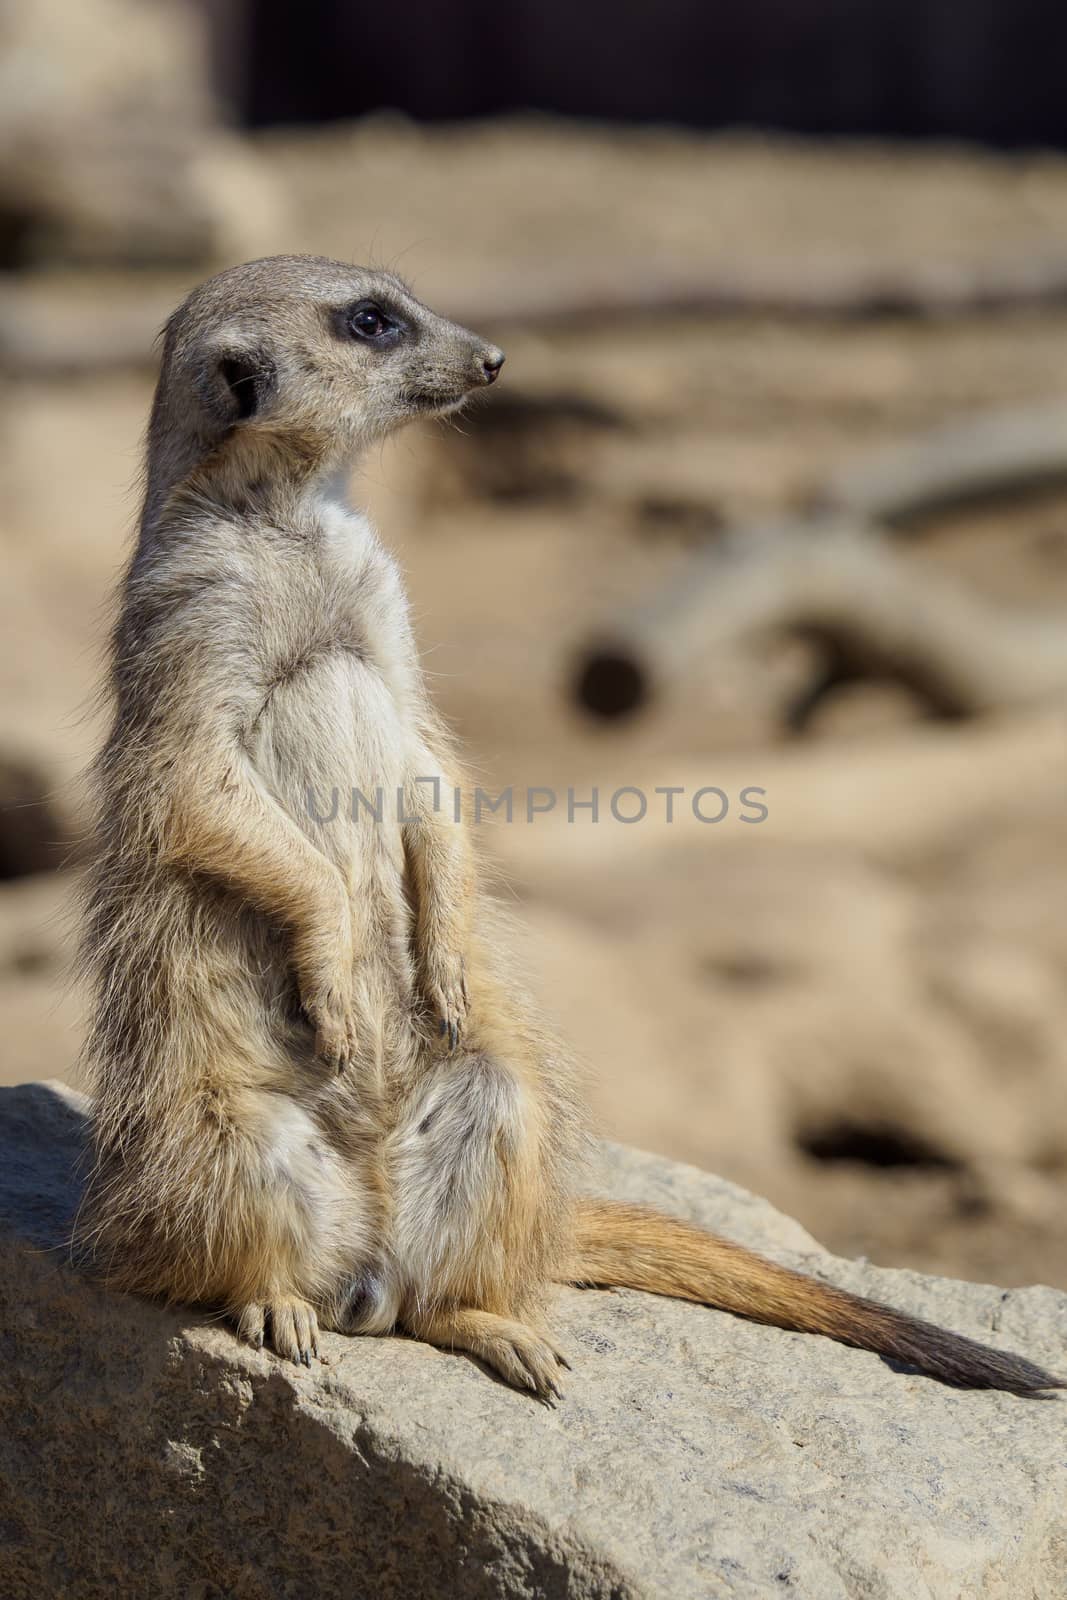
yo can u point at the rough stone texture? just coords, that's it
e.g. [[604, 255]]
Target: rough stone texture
[[145, 1453]]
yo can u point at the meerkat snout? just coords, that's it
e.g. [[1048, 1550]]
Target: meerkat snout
[[492, 361]]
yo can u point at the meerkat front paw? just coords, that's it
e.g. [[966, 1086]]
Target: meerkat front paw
[[324, 979], [323, 962], [294, 1328], [334, 1021], [446, 990]]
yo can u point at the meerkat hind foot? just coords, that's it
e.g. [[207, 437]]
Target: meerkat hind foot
[[294, 1328], [522, 1356]]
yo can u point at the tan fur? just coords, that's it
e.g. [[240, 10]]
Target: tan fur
[[322, 1097]]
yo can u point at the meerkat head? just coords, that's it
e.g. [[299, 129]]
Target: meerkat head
[[301, 354]]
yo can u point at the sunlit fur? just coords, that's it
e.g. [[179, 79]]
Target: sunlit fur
[[321, 1094]]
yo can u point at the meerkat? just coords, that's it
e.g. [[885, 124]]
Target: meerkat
[[322, 1098]]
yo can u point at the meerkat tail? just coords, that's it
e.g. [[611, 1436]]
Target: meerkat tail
[[623, 1246]]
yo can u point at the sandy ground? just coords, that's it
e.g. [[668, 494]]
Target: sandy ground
[[858, 1006]]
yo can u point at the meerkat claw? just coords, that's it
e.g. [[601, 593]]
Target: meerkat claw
[[449, 1028], [250, 1325], [335, 1045]]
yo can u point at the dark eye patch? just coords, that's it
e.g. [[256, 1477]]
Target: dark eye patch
[[372, 322]]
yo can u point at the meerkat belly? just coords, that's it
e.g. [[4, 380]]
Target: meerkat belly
[[330, 748]]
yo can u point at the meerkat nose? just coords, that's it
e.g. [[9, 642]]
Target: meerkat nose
[[492, 361]]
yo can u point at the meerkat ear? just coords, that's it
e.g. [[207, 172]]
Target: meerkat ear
[[238, 382]]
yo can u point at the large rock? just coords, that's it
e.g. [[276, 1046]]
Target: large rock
[[113, 145], [146, 1453]]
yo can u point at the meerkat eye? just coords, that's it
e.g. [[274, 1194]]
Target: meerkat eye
[[368, 321]]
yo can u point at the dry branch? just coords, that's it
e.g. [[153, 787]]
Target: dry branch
[[833, 577], [843, 585], [996, 454]]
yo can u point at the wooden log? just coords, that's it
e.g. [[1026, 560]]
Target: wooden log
[[845, 586], [831, 576]]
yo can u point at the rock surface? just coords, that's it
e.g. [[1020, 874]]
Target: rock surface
[[144, 1452]]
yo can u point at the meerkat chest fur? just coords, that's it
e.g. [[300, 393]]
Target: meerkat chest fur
[[335, 734]]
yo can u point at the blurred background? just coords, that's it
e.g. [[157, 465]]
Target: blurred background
[[773, 493]]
